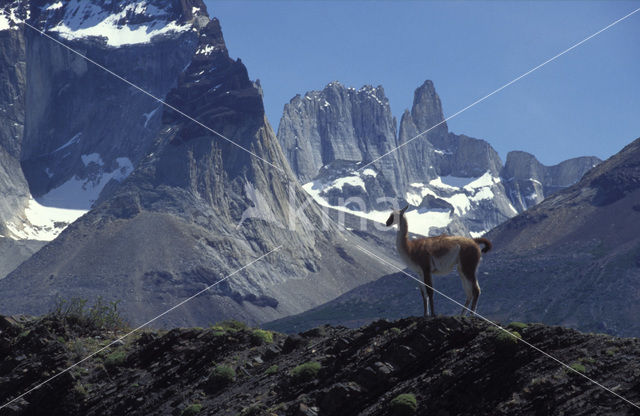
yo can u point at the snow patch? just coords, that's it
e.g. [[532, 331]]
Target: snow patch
[[73, 140], [83, 19], [92, 158], [45, 223], [461, 203], [4, 22], [369, 172], [421, 222], [483, 193], [54, 6], [80, 194], [148, 115], [205, 50], [351, 180], [474, 234], [485, 180]]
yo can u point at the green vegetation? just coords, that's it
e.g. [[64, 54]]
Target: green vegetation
[[101, 315], [447, 373], [396, 331], [611, 351], [260, 336], [507, 338], [404, 405], [271, 370], [306, 372], [253, 410], [115, 359], [192, 409], [222, 375], [80, 390], [517, 325], [578, 367], [230, 326]]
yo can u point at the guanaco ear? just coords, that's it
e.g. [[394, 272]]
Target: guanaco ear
[[390, 220], [403, 210]]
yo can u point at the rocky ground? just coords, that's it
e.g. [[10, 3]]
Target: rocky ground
[[442, 366]]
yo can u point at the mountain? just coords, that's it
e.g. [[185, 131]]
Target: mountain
[[581, 250], [449, 366], [187, 207], [453, 183], [528, 181], [75, 127], [572, 260]]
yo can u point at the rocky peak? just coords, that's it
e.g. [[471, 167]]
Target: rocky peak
[[438, 152], [338, 123], [426, 110]]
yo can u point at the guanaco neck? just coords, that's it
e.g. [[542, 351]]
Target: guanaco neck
[[402, 237]]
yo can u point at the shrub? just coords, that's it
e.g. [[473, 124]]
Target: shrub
[[306, 372], [231, 325], [404, 405], [578, 367], [222, 375], [115, 359], [192, 409], [80, 390], [517, 325], [271, 370], [396, 331], [260, 336], [507, 338], [101, 315]]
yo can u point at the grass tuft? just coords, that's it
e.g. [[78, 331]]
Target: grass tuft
[[404, 405], [306, 372]]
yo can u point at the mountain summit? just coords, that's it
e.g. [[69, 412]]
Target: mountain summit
[[452, 183]]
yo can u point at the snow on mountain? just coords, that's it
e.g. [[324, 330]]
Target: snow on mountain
[[432, 206], [130, 24], [43, 223], [80, 193], [47, 216]]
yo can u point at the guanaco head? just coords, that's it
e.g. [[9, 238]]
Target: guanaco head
[[395, 216]]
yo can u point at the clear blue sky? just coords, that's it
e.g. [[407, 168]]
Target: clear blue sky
[[585, 103]]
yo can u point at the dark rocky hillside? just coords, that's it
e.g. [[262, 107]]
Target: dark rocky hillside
[[452, 366]]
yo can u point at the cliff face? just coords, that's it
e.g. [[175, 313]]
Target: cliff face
[[339, 123], [13, 185], [196, 207]]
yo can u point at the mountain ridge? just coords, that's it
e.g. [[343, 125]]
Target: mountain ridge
[[424, 165]]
